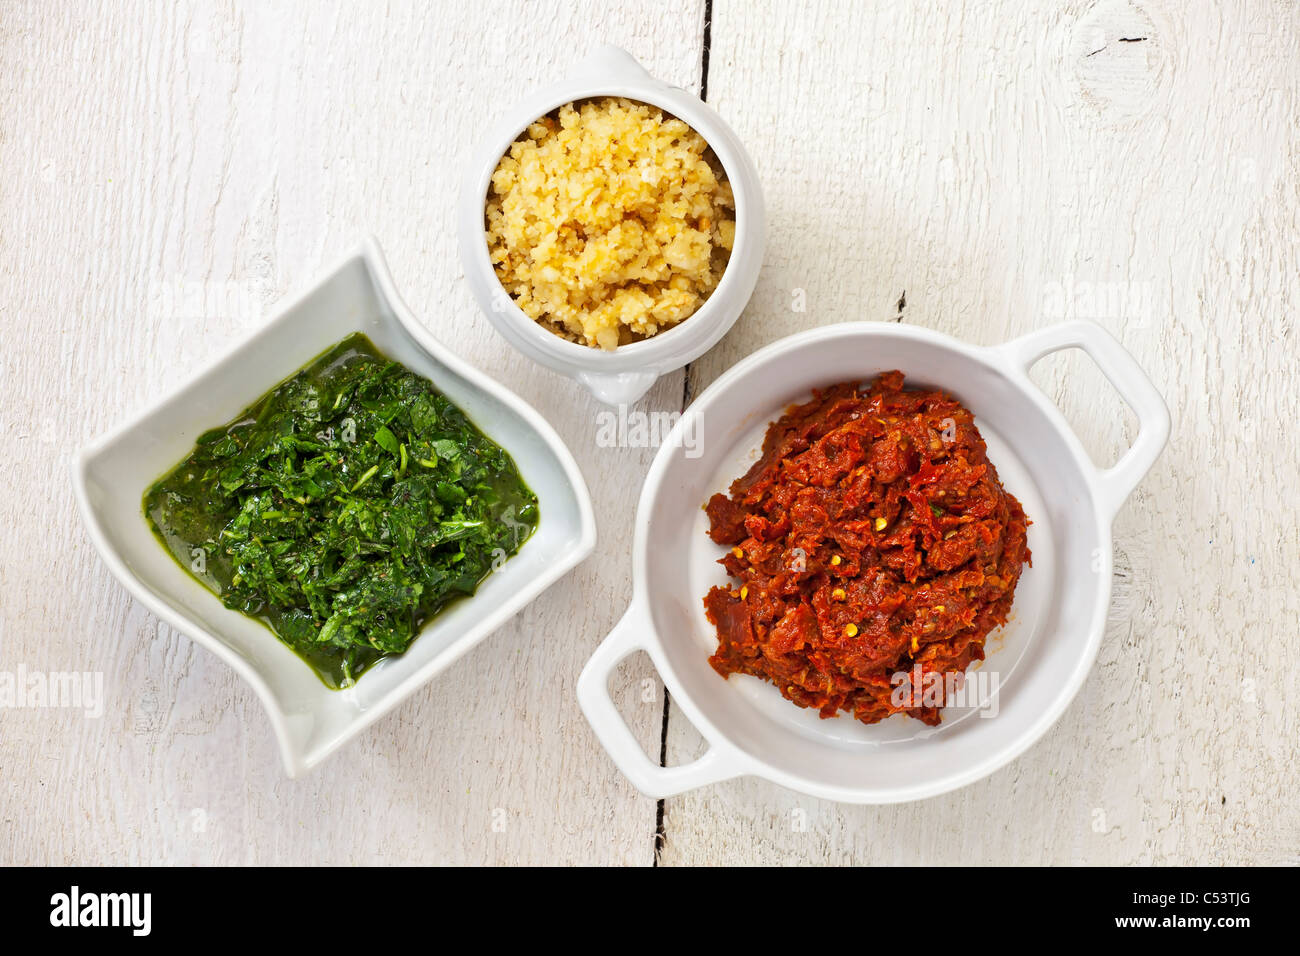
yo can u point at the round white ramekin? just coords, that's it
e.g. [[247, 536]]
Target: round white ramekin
[[623, 375], [1039, 658]]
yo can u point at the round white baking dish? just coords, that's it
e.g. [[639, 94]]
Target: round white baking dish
[[1039, 659], [623, 375]]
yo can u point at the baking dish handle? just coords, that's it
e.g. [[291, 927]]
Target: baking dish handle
[[1113, 485], [716, 765]]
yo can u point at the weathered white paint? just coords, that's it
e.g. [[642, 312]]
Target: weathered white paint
[[995, 161]]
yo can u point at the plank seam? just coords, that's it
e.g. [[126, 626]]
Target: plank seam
[[661, 833]]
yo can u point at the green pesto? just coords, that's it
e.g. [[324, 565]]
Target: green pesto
[[344, 509]]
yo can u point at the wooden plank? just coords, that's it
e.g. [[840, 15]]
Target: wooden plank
[[170, 172], [985, 158]]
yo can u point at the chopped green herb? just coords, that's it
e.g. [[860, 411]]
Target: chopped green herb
[[303, 513], [387, 440]]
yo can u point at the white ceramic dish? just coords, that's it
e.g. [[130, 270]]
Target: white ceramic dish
[[1041, 656], [624, 375], [310, 721]]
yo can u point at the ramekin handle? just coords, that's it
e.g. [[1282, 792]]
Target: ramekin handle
[[1116, 483], [617, 388], [609, 63], [716, 765]]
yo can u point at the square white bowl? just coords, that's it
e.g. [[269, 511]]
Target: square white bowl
[[310, 721]]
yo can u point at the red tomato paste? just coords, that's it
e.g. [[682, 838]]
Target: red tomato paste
[[871, 538]]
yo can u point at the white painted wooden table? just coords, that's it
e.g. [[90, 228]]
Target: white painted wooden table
[[168, 171]]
